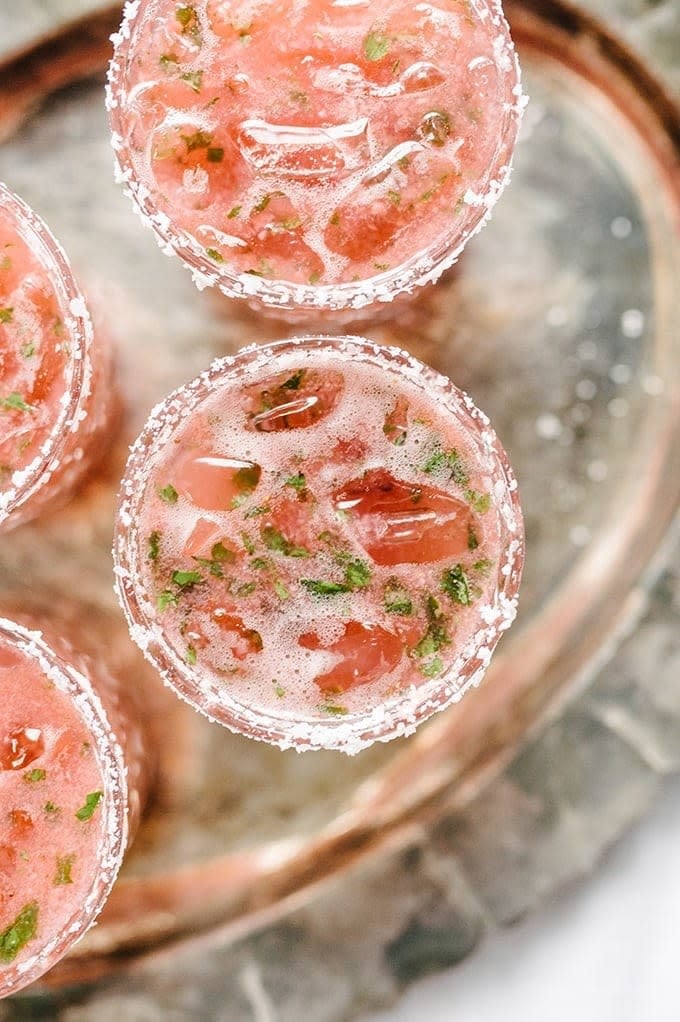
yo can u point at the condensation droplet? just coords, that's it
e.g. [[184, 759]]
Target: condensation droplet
[[580, 535], [597, 470], [556, 315], [548, 426], [618, 408], [632, 323], [621, 373], [586, 390], [653, 385], [621, 227]]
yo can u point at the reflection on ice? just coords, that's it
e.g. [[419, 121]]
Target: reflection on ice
[[301, 152]]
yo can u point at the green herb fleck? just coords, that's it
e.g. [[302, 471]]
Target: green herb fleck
[[449, 461], [169, 61], [333, 709], [376, 45], [186, 579], [86, 811], [18, 933], [16, 402], [294, 381], [27, 350], [247, 589], [481, 502], [335, 219], [6, 315], [35, 775], [262, 204], [482, 567], [357, 574], [278, 689], [51, 809], [298, 96], [298, 482], [317, 587], [247, 478], [213, 254], [280, 590], [169, 494], [195, 80], [190, 656], [436, 635], [166, 599], [432, 668], [234, 212], [455, 584], [247, 543], [260, 509], [199, 140], [276, 541], [314, 277], [62, 875], [214, 154], [154, 545], [472, 540], [397, 598], [394, 197]]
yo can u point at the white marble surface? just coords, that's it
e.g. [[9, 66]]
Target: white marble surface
[[606, 950]]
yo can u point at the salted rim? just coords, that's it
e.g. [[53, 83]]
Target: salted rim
[[78, 687], [395, 717], [421, 269], [27, 481]]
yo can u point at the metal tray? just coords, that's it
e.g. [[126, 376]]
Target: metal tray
[[561, 320]]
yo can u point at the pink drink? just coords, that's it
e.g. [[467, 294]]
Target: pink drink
[[322, 153], [319, 542], [66, 804], [54, 398]]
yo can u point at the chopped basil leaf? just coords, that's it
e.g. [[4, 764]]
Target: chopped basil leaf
[[154, 545], [214, 154], [253, 512], [35, 775], [455, 584], [280, 589], [27, 350], [186, 579], [91, 802], [333, 709], [247, 543], [357, 574], [166, 599], [318, 587], [262, 204], [234, 212], [276, 541], [472, 540], [16, 402], [17, 934], [169, 494], [214, 255], [247, 478], [432, 668], [376, 45], [199, 140], [397, 599], [6, 315], [51, 809], [194, 79], [436, 635], [62, 875], [294, 381], [482, 567], [298, 482], [450, 461], [191, 655], [278, 689], [394, 197], [481, 502]]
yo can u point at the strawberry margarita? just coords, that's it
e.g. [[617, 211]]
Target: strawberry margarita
[[321, 153], [319, 542], [54, 401], [66, 803]]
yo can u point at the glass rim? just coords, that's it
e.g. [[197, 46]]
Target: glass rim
[[394, 717], [419, 270], [79, 369], [115, 831]]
